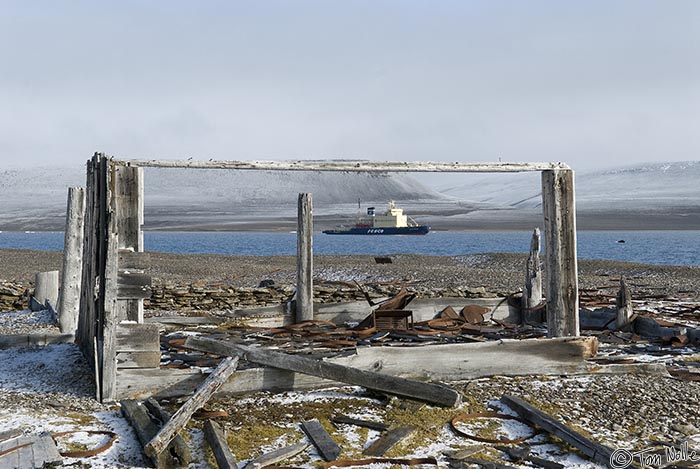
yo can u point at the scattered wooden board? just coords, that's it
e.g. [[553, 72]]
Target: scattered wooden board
[[327, 448]]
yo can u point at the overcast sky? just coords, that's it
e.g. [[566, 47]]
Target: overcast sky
[[590, 83]]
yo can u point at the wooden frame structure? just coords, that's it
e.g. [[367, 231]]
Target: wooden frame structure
[[111, 331]]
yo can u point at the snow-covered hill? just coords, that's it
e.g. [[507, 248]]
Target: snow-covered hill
[[645, 187], [36, 198]]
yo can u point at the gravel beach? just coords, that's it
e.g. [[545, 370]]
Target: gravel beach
[[497, 272], [627, 411]]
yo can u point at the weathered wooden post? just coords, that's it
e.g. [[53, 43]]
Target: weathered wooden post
[[305, 262], [624, 305], [532, 293], [69, 307], [128, 198], [46, 287], [561, 265]]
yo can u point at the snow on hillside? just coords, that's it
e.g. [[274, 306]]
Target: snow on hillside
[[640, 187]]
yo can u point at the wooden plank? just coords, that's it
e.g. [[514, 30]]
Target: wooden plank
[[110, 322], [273, 457], [131, 260], [532, 293], [327, 448], [433, 393], [213, 382], [542, 357], [133, 285], [138, 337], [27, 340], [128, 213], [388, 440], [30, 451], [561, 271], [69, 305], [377, 426], [145, 428], [46, 287], [11, 433], [138, 360], [349, 165], [215, 436], [305, 260], [597, 452], [45, 451]]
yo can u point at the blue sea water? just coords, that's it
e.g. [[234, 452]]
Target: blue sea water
[[650, 247]]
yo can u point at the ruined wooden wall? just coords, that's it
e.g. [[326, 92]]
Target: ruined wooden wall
[[114, 283]]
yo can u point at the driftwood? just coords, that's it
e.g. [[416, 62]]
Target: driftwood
[[432, 393], [166, 434], [276, 456], [327, 448], [216, 438], [597, 452]]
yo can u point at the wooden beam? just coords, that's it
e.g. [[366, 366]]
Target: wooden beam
[[349, 165], [69, 306], [545, 357], [305, 260], [532, 293], [215, 436], [327, 448], [597, 452], [560, 242], [213, 382], [433, 393]]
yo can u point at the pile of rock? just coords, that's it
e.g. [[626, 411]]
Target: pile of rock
[[13, 296], [220, 296]]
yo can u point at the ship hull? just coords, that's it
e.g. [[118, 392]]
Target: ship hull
[[409, 230]]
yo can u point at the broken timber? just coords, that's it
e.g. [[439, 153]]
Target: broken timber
[[166, 434], [597, 452], [432, 393], [532, 293], [69, 306], [145, 428], [216, 438]]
